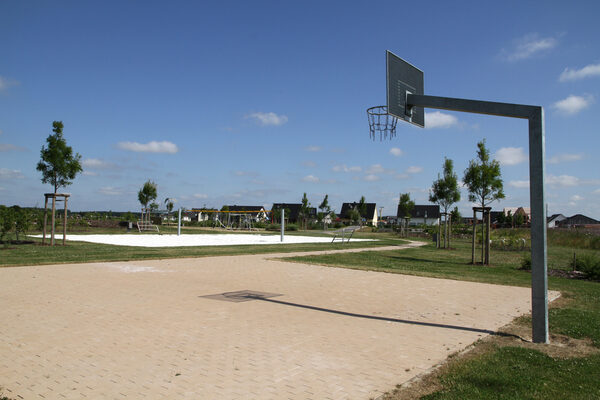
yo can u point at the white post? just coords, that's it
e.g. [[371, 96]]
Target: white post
[[282, 224], [179, 223]]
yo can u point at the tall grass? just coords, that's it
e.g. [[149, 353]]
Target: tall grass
[[575, 238]]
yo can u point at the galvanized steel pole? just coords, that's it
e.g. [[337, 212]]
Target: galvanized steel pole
[[282, 223], [535, 116]]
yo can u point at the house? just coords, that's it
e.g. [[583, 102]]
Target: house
[[524, 211], [422, 214], [554, 220], [579, 221], [369, 216], [257, 213], [292, 211]]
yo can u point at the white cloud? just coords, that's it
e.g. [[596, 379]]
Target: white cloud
[[6, 173], [562, 180], [576, 197], [597, 191], [150, 147], [528, 46], [510, 155], [89, 173], [245, 173], [573, 104], [564, 158], [200, 196], [395, 151], [5, 83], [96, 163], [519, 184], [309, 164], [313, 149], [375, 169], [438, 119], [371, 178], [6, 147], [110, 191], [576, 74], [310, 178], [344, 168], [268, 119], [414, 170]]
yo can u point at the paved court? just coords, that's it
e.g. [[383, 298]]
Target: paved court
[[165, 329]]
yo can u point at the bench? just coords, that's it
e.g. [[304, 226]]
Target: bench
[[344, 233]]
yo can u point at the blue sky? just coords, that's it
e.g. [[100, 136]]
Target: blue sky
[[258, 102]]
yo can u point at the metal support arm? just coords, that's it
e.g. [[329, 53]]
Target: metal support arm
[[535, 116]]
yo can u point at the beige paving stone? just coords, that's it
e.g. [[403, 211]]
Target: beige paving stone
[[142, 329]]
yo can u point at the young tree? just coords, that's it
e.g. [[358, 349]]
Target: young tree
[[362, 208], [22, 220], [405, 207], [325, 210], [354, 214], [58, 164], [455, 215], [7, 222], [484, 182], [445, 193], [304, 210], [169, 204], [148, 193]]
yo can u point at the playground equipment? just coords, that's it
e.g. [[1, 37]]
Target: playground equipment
[[239, 219]]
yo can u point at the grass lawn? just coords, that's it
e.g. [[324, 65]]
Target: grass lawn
[[501, 368], [78, 252]]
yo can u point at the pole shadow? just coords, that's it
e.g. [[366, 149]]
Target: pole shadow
[[387, 319]]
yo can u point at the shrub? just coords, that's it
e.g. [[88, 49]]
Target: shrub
[[589, 265], [526, 262]]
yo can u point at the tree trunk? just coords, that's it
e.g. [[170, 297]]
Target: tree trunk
[[473, 237], [53, 220], [449, 229], [487, 238]]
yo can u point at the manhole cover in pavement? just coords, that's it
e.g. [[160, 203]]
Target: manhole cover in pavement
[[240, 296]]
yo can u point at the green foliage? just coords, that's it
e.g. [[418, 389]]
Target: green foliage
[[276, 213], [147, 193], [7, 221], [483, 178], [324, 206], [405, 205], [362, 206], [304, 210], [526, 262], [589, 264], [445, 190], [169, 204], [22, 220], [354, 215], [58, 164], [455, 215]]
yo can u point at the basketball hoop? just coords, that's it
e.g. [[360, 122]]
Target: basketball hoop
[[382, 122]]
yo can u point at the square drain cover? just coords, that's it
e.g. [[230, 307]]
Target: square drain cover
[[240, 296]]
